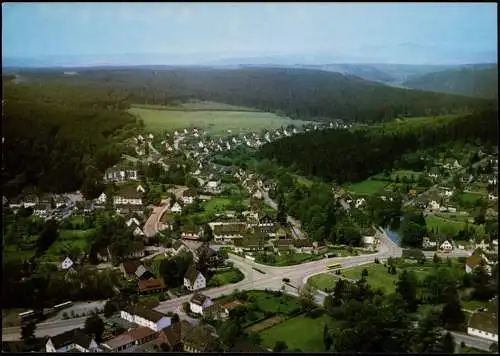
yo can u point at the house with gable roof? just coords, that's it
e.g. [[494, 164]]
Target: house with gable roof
[[194, 279]]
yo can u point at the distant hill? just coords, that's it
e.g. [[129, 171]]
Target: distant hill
[[476, 81], [295, 92]]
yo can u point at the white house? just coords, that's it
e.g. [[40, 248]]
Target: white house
[[434, 205], [146, 317], [133, 220], [427, 243], [484, 324], [492, 197], [213, 187], [194, 280], [187, 200], [141, 189], [452, 209], [138, 231], [359, 202], [102, 198], [199, 303], [67, 263], [176, 208], [75, 340], [446, 246]]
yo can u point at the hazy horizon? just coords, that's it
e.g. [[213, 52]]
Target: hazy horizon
[[86, 34]]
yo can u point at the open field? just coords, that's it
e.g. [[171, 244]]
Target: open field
[[67, 240], [367, 187], [324, 281], [471, 198], [266, 302], [213, 120], [301, 332], [445, 225], [218, 204]]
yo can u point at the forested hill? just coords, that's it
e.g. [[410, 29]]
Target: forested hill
[[60, 138], [354, 155], [298, 93], [474, 82]]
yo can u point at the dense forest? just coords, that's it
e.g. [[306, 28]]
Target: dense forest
[[60, 138], [297, 93], [474, 82], [353, 155]]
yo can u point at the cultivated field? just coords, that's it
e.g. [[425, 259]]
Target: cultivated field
[[214, 118], [265, 324]]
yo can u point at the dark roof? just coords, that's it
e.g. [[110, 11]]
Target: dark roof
[[150, 284], [302, 243], [198, 298], [191, 274], [235, 228], [200, 338], [129, 192], [75, 336], [130, 267], [174, 333], [148, 314], [207, 250], [177, 244]]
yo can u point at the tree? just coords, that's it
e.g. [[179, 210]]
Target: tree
[[94, 326], [165, 347], [208, 234], [110, 308], [447, 344], [494, 347], [406, 287], [364, 273], [452, 315], [28, 332], [306, 298], [327, 339], [428, 334], [280, 346], [229, 331]]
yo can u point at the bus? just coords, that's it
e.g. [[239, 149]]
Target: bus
[[62, 306], [334, 266]]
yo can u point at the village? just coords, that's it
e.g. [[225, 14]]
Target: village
[[221, 210]]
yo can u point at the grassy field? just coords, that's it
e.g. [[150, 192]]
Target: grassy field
[[323, 281], [233, 275], [405, 173], [267, 302], [367, 187], [218, 204], [471, 198], [215, 118], [444, 225], [67, 240], [300, 332]]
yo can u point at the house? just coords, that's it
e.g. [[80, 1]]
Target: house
[[368, 240], [127, 340], [212, 187], [129, 195], [30, 201], [75, 340], [226, 232], [446, 246], [492, 196], [138, 231], [135, 270], [190, 235], [15, 203], [282, 245], [154, 285], [102, 198], [319, 249], [478, 258], [133, 221], [208, 253], [484, 324], [194, 280], [302, 246], [41, 209], [192, 246], [427, 243], [433, 206], [176, 208], [220, 310], [199, 339], [187, 200], [137, 250], [121, 173], [199, 302], [174, 334], [67, 263], [249, 243], [177, 247], [359, 203], [146, 317]]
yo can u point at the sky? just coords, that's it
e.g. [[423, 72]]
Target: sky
[[396, 32]]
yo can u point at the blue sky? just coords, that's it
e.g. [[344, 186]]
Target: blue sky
[[384, 31]]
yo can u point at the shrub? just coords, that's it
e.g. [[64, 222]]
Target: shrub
[[315, 313]]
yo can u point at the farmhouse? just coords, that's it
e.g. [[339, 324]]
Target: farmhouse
[[199, 339], [249, 243], [484, 324], [226, 232], [174, 334], [125, 341], [194, 280], [145, 317], [154, 285], [199, 303], [129, 195], [135, 270], [75, 340]]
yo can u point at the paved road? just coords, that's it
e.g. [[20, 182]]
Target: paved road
[[153, 224], [296, 228], [472, 341]]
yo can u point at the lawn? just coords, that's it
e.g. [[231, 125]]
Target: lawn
[[444, 225], [300, 332], [367, 187], [67, 240], [405, 173], [218, 204], [470, 198], [214, 121], [267, 302], [233, 275], [295, 259], [323, 281]]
